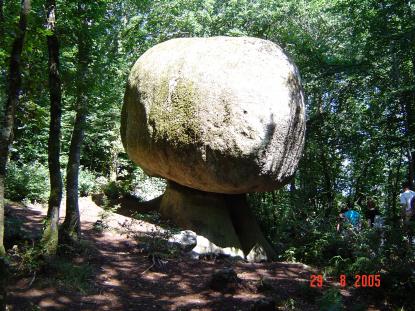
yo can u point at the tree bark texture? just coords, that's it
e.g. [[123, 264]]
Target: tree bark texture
[[410, 124], [2, 33], [3, 283], [50, 234], [395, 191], [328, 183], [14, 84], [293, 190], [408, 102], [71, 227]]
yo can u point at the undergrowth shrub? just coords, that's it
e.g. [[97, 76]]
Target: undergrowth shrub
[[87, 182], [331, 300], [27, 181], [145, 187], [70, 275], [25, 258], [134, 183], [13, 232], [303, 234], [115, 189]]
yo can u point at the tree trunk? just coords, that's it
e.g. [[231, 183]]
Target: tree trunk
[[3, 269], [410, 124], [71, 228], [292, 192], [408, 108], [50, 234], [359, 190], [3, 283], [6, 136], [2, 33], [396, 210], [328, 183], [407, 103], [410, 168]]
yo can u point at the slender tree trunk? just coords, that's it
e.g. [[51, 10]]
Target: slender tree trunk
[[396, 213], [408, 108], [328, 183], [2, 250], [410, 120], [411, 168], [407, 104], [6, 136], [50, 234], [359, 190], [2, 33], [71, 228], [3, 268], [292, 192]]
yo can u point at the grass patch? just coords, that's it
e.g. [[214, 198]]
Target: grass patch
[[71, 276], [331, 300], [61, 272], [155, 218]]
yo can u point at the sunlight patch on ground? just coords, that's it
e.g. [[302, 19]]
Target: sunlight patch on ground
[[155, 276]]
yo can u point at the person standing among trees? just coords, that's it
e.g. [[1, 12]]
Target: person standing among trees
[[349, 216], [371, 211], [407, 202]]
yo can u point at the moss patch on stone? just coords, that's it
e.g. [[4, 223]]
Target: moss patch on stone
[[173, 112]]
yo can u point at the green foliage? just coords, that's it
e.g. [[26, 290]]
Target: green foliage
[[154, 217], [27, 181], [308, 293], [114, 189], [13, 229], [87, 183], [157, 246], [331, 300], [25, 258], [289, 305], [151, 217], [134, 182], [71, 276]]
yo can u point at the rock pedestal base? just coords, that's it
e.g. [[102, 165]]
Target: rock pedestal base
[[224, 223]]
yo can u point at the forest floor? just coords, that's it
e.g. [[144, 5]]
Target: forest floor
[[113, 273]]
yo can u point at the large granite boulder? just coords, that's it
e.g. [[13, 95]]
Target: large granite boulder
[[219, 114], [217, 117]]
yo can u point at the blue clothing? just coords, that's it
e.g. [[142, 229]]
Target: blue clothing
[[353, 217]]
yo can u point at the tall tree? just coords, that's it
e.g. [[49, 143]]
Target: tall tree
[[71, 228], [2, 250], [1, 25], [50, 235], [14, 84]]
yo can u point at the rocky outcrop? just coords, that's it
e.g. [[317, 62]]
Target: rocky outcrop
[[217, 117], [220, 114]]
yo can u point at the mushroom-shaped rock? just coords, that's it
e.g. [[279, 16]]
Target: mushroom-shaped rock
[[217, 117]]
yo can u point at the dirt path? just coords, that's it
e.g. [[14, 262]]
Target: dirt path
[[118, 277]]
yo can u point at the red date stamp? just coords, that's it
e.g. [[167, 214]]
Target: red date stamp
[[316, 280], [360, 280]]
